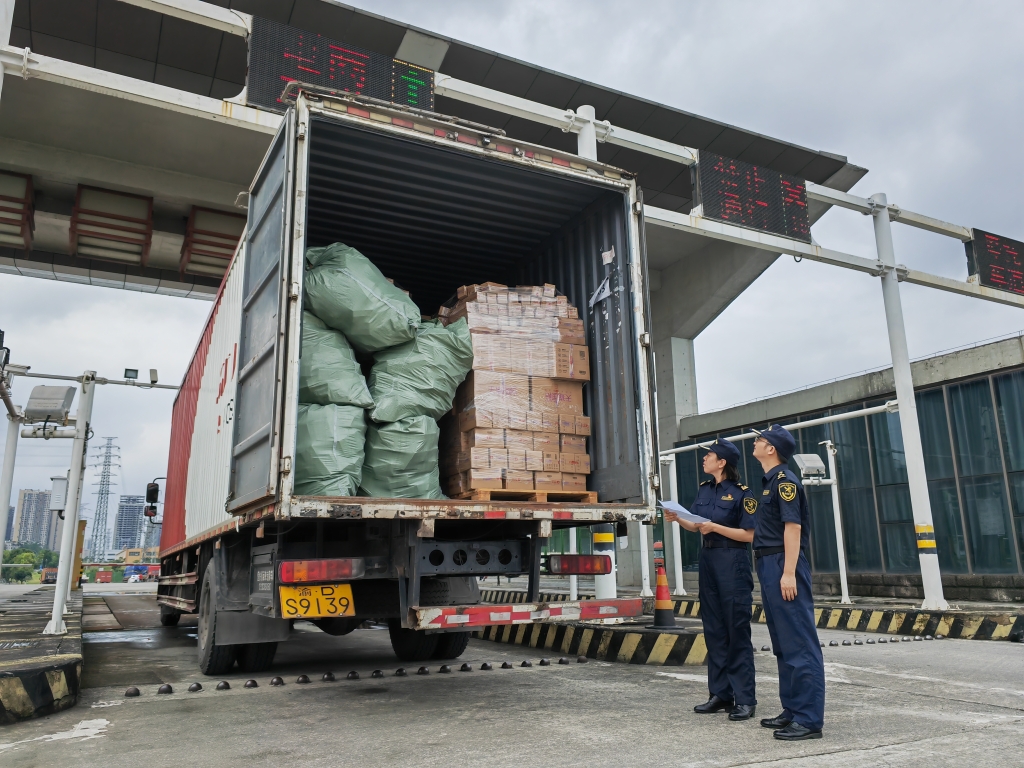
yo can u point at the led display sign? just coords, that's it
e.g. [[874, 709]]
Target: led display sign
[[997, 261], [751, 196], [279, 54]]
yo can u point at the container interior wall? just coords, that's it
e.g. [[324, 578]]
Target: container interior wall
[[433, 219]]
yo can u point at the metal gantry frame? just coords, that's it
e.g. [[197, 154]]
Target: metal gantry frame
[[583, 122]]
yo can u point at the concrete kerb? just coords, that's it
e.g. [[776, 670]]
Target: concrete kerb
[[39, 674]]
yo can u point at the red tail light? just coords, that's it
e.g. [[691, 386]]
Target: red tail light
[[304, 571], [579, 565]]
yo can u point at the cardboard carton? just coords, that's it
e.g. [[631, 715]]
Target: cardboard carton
[[517, 460], [535, 461], [517, 480], [574, 482], [574, 463], [583, 425], [499, 458], [572, 444], [484, 479], [552, 462], [545, 441], [554, 395], [547, 481]]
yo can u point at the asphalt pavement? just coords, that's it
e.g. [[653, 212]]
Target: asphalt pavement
[[921, 703]]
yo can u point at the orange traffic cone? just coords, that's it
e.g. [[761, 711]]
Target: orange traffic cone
[[664, 616]]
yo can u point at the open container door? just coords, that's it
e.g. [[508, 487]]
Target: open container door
[[255, 442]]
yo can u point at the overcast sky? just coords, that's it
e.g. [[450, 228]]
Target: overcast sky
[[926, 95]]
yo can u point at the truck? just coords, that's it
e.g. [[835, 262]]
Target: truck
[[436, 203], [48, 576]]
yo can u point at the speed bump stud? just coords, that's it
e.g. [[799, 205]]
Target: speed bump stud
[[377, 673], [847, 642], [871, 641], [506, 665], [906, 639], [165, 688], [445, 669], [766, 648], [422, 671], [400, 672], [302, 679], [328, 677], [353, 675], [928, 637], [883, 640], [466, 667], [486, 666], [545, 662], [833, 643], [821, 644], [132, 692], [939, 637], [563, 660], [223, 685], [581, 659], [858, 642], [526, 663], [195, 688], [251, 684], [918, 639], [276, 681]]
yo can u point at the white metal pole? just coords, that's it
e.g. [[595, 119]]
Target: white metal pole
[[67, 543], [677, 539], [573, 580], [6, 22], [586, 139], [645, 563], [7, 478], [830, 449], [930, 576]]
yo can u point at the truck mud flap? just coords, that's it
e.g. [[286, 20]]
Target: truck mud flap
[[241, 627], [461, 617]]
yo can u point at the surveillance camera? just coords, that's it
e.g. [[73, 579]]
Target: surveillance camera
[[153, 378], [810, 465]]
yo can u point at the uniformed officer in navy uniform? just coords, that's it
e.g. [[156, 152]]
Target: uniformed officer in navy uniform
[[781, 540], [726, 584]]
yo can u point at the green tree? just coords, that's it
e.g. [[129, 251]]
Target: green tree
[[21, 575]]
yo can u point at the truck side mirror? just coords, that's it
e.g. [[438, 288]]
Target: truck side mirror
[[152, 493], [150, 511]]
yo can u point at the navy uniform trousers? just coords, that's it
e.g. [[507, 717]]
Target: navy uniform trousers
[[794, 641], [725, 605]]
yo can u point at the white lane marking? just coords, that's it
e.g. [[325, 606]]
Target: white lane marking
[[101, 704], [939, 680], [761, 679], [87, 729]]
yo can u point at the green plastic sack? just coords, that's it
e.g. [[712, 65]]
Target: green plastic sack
[[401, 460], [347, 292], [419, 378], [328, 371], [329, 450]]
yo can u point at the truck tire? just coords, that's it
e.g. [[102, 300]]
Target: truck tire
[[168, 616], [411, 644], [451, 645], [255, 657], [213, 659]]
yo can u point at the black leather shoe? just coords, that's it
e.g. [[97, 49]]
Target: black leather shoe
[[742, 712], [796, 732], [714, 704], [775, 723]]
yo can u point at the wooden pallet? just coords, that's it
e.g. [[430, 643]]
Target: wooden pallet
[[543, 497]]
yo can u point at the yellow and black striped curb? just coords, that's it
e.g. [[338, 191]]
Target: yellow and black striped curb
[[965, 625], [39, 674], [623, 644]]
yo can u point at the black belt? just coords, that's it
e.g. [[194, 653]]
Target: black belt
[[724, 544], [763, 551]]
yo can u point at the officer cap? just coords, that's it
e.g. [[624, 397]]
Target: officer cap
[[784, 442], [723, 449]]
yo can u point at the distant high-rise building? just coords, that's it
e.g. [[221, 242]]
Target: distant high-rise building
[[151, 538], [10, 525], [32, 517], [129, 521]]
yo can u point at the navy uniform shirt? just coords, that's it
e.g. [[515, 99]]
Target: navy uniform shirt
[[782, 501], [727, 503]]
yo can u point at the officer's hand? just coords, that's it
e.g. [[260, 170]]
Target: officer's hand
[[671, 516], [706, 528], [788, 584]]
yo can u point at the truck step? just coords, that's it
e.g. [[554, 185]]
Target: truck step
[[543, 497]]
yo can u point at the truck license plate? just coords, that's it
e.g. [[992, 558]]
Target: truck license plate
[[319, 602]]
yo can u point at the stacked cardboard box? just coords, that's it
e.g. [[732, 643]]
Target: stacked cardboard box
[[518, 421]]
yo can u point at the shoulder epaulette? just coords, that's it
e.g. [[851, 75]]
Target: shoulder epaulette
[[705, 482], [744, 488], [782, 474]]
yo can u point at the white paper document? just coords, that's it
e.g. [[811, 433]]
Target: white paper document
[[683, 513]]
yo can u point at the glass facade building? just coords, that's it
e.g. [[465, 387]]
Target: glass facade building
[[973, 436]]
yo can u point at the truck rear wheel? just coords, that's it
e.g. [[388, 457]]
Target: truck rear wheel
[[168, 616], [256, 657], [213, 659], [451, 645], [411, 644]]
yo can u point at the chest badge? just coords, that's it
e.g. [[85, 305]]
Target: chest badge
[[787, 491], [750, 505], [766, 492], [728, 497]]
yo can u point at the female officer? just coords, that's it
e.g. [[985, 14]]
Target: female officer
[[726, 584]]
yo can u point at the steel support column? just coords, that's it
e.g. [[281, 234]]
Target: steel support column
[[918, 481], [67, 543], [7, 478]]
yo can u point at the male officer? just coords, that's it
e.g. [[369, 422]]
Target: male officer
[[781, 540]]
